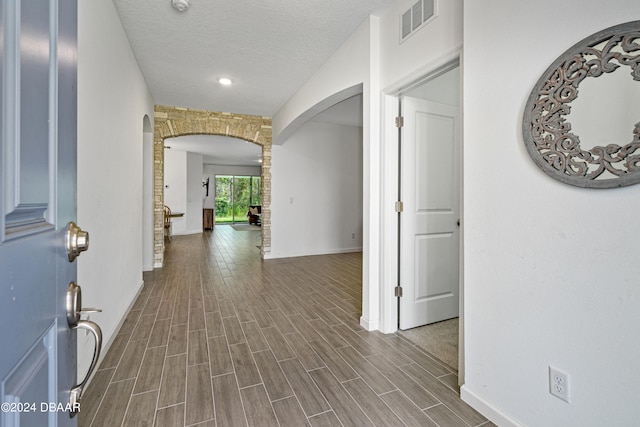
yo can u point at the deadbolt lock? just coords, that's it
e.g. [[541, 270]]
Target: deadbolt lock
[[77, 241]]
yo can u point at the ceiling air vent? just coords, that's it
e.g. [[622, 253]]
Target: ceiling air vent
[[416, 17]]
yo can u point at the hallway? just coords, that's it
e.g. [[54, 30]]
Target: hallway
[[219, 337]]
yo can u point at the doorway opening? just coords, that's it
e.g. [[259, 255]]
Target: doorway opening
[[234, 195], [429, 227], [173, 122]]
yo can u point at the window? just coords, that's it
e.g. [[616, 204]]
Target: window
[[234, 195]]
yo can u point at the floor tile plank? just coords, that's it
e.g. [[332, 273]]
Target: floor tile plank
[[213, 322], [274, 380], [197, 348], [171, 416], [233, 330], [142, 409], [254, 336], [327, 419], [346, 409], [177, 340], [151, 370], [228, 404], [173, 381], [114, 404], [282, 322], [220, 358], [406, 410], [199, 404], [244, 366], [277, 343], [444, 394], [374, 378], [371, 404], [289, 413], [130, 362], [328, 334], [338, 366], [305, 353], [420, 396], [159, 333], [443, 416], [258, 407], [310, 397]]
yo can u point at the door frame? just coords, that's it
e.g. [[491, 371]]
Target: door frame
[[390, 193]]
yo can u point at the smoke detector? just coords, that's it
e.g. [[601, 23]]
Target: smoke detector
[[180, 5]]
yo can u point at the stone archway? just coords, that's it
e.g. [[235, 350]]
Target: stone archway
[[170, 122]]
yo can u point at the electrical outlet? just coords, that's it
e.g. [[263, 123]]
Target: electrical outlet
[[353, 235], [559, 384]]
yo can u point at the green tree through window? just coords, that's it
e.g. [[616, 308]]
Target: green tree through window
[[234, 195]]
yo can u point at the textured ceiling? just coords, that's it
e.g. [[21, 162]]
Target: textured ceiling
[[268, 48]]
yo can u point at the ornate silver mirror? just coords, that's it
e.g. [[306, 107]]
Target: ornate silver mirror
[[581, 122]]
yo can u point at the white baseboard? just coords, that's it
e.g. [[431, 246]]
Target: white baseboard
[[106, 345], [369, 325], [496, 415], [272, 255]]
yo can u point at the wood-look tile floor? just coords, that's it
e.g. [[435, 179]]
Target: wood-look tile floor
[[219, 337]]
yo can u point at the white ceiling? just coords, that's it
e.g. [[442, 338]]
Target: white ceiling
[[268, 48]]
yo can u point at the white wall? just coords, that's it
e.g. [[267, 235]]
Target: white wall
[[183, 190], [316, 191], [194, 193], [551, 271], [210, 171], [112, 102], [175, 187]]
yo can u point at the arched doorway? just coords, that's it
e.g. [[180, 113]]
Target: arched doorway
[[171, 122]]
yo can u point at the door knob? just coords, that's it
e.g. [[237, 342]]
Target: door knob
[[74, 311], [77, 241]]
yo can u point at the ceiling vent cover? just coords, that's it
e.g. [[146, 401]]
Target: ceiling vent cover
[[416, 17]]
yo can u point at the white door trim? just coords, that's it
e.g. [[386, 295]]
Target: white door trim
[[390, 170]]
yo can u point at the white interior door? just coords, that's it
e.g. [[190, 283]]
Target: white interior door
[[430, 232]]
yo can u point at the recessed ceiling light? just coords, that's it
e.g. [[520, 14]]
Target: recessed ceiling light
[[224, 81]]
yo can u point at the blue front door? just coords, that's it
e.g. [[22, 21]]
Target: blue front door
[[37, 201]]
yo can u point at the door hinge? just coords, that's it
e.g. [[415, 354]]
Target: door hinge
[[399, 206], [398, 291], [399, 121]]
